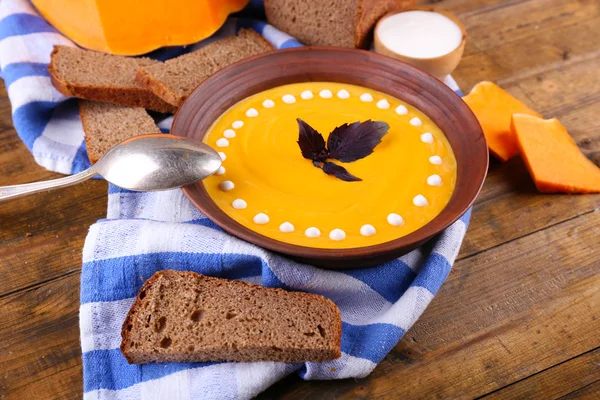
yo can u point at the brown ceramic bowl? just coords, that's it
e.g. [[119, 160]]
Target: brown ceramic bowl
[[222, 90]]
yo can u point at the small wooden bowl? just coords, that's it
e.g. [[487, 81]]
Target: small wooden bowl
[[327, 64], [441, 66]]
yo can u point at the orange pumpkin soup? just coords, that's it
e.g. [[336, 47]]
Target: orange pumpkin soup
[[267, 185]]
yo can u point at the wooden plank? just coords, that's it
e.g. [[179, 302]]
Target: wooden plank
[[39, 342], [515, 21], [589, 392], [42, 235], [16, 162], [559, 380], [518, 277], [510, 62], [513, 215], [563, 89], [502, 315], [5, 113]]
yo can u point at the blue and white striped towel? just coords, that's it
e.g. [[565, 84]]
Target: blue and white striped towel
[[147, 232]]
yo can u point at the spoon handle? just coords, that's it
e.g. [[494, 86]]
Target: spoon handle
[[14, 191]]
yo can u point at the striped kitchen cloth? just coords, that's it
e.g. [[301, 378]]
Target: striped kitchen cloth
[[147, 232]]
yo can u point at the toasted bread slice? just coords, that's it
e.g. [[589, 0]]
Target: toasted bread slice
[[106, 125], [103, 77], [188, 317], [175, 79]]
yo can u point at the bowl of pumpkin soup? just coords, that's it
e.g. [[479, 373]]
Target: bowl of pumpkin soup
[[339, 158]]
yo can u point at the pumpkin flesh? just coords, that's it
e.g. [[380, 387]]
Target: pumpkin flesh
[[553, 158], [494, 108]]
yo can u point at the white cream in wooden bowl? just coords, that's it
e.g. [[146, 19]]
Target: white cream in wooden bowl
[[430, 40]]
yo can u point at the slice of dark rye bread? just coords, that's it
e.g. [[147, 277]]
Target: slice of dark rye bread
[[102, 77], [106, 125], [188, 317], [343, 23], [175, 79]]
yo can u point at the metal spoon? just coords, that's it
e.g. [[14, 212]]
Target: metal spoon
[[143, 163]]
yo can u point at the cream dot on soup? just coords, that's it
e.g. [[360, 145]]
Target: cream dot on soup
[[394, 219], [435, 160], [226, 186], [326, 94], [366, 97], [416, 121], [239, 204], [286, 227], [427, 138], [312, 232], [367, 230], [383, 104], [343, 94], [288, 99], [268, 103], [220, 171], [261, 218], [229, 133], [252, 112], [337, 234], [306, 95], [420, 201], [237, 124], [434, 180], [222, 142], [401, 110]]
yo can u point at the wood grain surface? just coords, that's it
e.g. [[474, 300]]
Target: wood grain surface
[[519, 316]]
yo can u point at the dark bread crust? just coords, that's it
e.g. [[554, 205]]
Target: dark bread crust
[[175, 79], [325, 23], [268, 348], [129, 96], [145, 79]]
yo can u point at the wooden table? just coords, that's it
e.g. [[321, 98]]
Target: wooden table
[[518, 317]]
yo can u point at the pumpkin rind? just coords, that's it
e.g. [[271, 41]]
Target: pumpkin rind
[[133, 27]]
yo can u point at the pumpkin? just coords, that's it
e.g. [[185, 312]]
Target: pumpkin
[[132, 27], [494, 108], [554, 161]]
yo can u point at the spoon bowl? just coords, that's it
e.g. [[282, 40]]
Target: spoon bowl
[[142, 163], [157, 162]]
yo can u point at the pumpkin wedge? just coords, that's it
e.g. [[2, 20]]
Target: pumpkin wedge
[[133, 27], [554, 161], [493, 108]]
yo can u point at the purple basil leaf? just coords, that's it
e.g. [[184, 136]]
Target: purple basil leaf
[[339, 172], [311, 142], [348, 143]]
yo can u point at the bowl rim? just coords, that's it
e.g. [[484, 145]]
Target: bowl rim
[[198, 101]]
